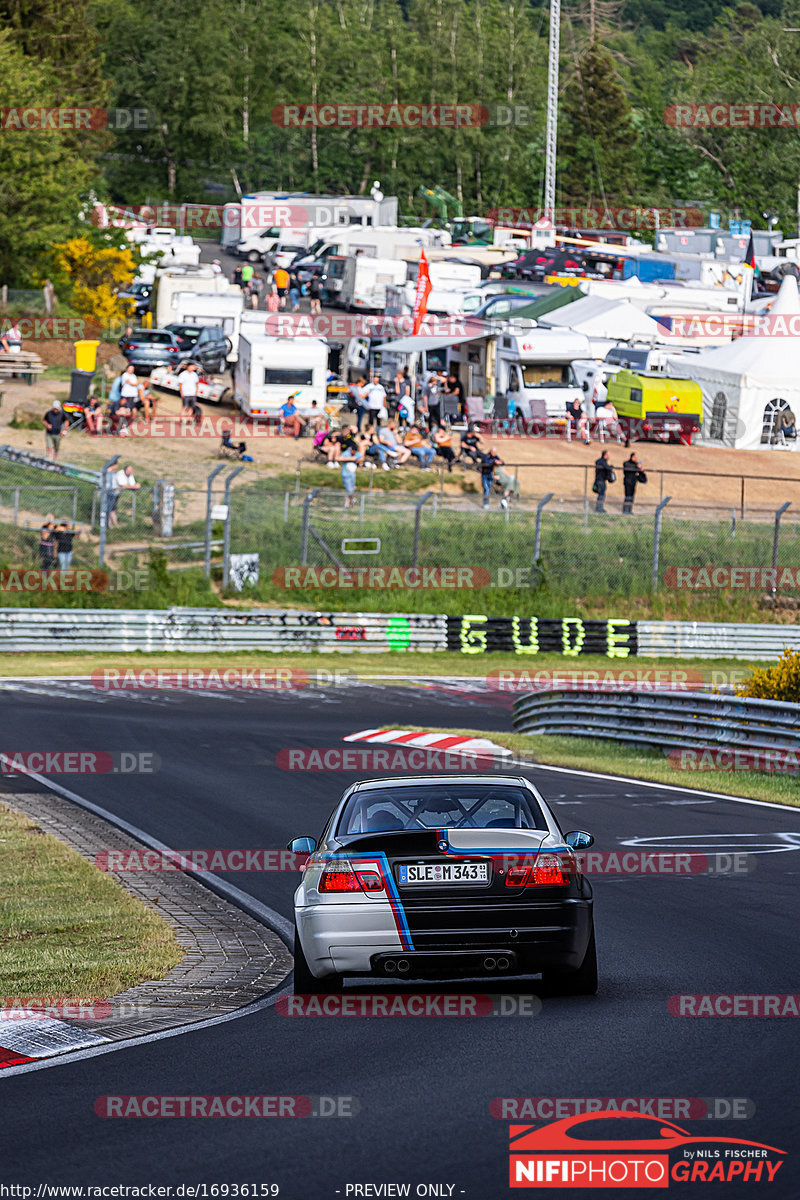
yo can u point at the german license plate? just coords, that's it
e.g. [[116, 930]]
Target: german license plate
[[433, 873]]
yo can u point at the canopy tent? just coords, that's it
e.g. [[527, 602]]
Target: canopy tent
[[604, 319], [556, 297], [750, 381]]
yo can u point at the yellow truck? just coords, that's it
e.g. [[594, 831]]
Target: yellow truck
[[655, 407]]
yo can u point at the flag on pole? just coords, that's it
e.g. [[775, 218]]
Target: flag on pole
[[750, 256], [424, 290]]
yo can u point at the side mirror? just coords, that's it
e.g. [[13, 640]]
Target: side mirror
[[578, 839], [306, 845]]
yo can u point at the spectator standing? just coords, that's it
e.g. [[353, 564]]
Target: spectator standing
[[358, 392], [47, 544], [295, 290], [314, 289], [443, 441], [123, 481], [247, 273], [454, 387], [54, 420], [64, 537], [432, 399], [489, 462], [187, 383], [256, 288], [236, 278], [280, 277], [632, 474], [603, 475], [273, 299], [348, 473], [376, 400]]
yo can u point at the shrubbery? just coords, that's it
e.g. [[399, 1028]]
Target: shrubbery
[[779, 682]]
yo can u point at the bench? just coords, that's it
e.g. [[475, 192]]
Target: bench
[[25, 364]]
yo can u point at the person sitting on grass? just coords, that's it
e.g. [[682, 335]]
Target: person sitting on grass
[[419, 447], [388, 438], [93, 417], [443, 440]]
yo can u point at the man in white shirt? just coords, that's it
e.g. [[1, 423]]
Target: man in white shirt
[[376, 399], [122, 480], [187, 382]]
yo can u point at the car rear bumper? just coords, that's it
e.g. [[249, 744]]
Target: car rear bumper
[[357, 938]]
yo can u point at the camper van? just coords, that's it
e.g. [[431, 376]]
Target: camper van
[[368, 242], [170, 281], [270, 369], [650, 405], [363, 281], [221, 309], [534, 369]]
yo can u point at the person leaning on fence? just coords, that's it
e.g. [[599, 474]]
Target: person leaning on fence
[[603, 475], [632, 474], [490, 461], [47, 544], [123, 481], [64, 537]]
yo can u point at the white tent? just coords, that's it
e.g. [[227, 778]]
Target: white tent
[[748, 382], [605, 321]]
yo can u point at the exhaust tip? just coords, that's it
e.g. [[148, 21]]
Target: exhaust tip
[[390, 966], [503, 964], [403, 966], [489, 964]]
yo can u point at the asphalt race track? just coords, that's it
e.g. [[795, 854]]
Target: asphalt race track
[[423, 1086]]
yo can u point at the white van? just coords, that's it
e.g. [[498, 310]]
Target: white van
[[364, 280], [534, 369], [270, 369]]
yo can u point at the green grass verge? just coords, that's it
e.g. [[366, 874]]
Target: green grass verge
[[610, 758], [68, 929], [353, 666]]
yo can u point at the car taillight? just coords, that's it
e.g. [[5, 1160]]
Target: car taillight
[[370, 881], [340, 877], [172, 349], [131, 346], [548, 870], [695, 429]]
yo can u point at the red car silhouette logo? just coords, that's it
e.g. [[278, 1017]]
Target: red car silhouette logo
[[666, 1136]]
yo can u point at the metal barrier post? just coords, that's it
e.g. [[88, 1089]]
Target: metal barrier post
[[226, 547], [74, 505], [209, 498], [537, 541], [775, 536], [417, 518], [304, 537], [657, 540], [16, 505], [101, 550]]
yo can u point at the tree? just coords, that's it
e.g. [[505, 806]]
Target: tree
[[597, 139]]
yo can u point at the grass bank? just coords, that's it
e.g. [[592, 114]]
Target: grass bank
[[66, 928]]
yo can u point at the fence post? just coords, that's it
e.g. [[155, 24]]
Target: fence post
[[417, 518], [285, 508], [16, 505], [657, 540], [101, 550], [743, 497], [775, 536], [537, 540], [133, 509], [226, 546], [304, 538], [209, 498], [74, 506]]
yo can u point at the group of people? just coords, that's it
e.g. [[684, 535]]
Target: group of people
[[604, 474], [387, 447], [370, 400], [605, 414], [282, 289], [55, 543]]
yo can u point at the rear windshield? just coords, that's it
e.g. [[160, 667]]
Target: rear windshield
[[441, 806], [149, 335]]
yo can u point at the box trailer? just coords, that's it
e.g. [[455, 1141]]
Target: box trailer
[[270, 369]]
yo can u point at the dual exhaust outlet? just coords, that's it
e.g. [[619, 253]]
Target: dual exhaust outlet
[[401, 966]]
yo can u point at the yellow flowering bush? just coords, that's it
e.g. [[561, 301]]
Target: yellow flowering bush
[[779, 682], [96, 274]]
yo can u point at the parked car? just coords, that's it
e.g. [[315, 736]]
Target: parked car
[[501, 307], [207, 345], [140, 292], [148, 348]]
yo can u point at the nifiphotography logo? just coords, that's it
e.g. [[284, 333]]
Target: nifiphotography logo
[[616, 1149]]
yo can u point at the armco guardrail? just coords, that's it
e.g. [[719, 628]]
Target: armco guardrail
[[707, 639], [663, 719], [204, 629]]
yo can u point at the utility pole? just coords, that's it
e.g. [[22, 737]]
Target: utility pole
[[552, 112]]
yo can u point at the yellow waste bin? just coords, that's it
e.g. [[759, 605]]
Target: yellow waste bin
[[86, 355]]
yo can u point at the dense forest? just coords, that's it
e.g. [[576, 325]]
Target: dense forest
[[210, 77]]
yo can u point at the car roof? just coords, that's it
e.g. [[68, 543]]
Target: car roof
[[417, 780]]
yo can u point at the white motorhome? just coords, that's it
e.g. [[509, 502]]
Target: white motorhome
[[534, 369], [170, 281], [222, 309], [373, 242], [364, 280], [270, 369]]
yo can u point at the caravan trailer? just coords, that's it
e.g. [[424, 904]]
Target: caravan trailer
[[221, 309], [270, 369], [170, 281]]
